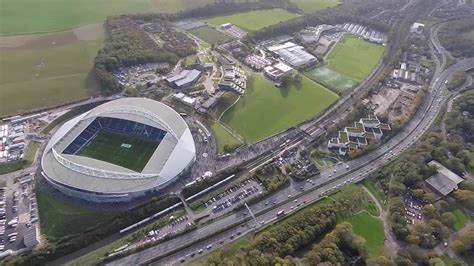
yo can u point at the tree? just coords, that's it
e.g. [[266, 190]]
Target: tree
[[448, 219]]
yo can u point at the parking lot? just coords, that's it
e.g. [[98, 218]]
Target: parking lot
[[231, 198], [140, 74], [412, 209], [18, 215]]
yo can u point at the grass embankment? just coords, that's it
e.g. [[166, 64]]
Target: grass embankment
[[311, 6], [58, 219], [265, 109], [223, 137], [254, 20], [355, 58]]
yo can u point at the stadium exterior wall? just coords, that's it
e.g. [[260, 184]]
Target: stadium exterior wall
[[109, 197]]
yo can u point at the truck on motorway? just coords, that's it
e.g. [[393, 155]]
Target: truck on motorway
[[281, 213]]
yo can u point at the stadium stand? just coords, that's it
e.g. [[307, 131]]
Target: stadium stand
[[115, 125]]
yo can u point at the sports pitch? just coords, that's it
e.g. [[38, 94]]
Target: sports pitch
[[254, 20], [311, 6], [265, 109], [333, 80], [123, 150], [354, 58], [210, 35]]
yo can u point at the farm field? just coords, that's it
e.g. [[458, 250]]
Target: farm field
[[31, 16], [253, 20], [46, 70], [210, 35], [107, 146], [368, 227], [223, 137], [331, 79], [265, 109], [354, 58], [311, 6], [469, 35], [59, 219]]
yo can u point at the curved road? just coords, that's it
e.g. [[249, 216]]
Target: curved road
[[327, 181]]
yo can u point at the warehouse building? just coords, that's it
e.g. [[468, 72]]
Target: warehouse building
[[293, 54], [184, 79], [277, 71], [444, 181]]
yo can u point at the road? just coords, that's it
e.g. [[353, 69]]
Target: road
[[326, 182]]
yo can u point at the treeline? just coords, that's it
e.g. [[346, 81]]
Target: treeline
[[335, 15], [453, 39], [464, 244], [219, 8], [126, 44], [341, 246], [68, 244]]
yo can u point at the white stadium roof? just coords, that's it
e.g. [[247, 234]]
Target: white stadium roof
[[174, 153]]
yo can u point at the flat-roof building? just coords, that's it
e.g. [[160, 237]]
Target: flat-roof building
[[184, 79], [293, 54], [444, 181], [277, 71]]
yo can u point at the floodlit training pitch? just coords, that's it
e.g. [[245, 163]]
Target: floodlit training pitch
[[254, 20], [124, 150], [355, 58], [265, 109], [210, 35], [311, 6], [333, 80]]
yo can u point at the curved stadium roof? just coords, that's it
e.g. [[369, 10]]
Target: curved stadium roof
[[173, 154]]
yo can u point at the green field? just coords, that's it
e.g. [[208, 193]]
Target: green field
[[461, 219], [333, 80], [210, 35], [44, 77], [311, 6], [27, 16], [223, 137], [354, 58], [107, 146], [265, 109], [59, 219], [469, 35], [368, 227], [254, 20]]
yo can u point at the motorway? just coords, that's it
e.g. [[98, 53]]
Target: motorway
[[329, 180]]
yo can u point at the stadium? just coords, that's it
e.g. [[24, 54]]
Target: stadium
[[118, 151]]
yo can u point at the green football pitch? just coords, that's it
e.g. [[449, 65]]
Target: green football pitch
[[124, 150], [332, 79]]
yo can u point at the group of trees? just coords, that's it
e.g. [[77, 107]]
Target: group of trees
[[410, 171], [464, 244], [126, 44], [341, 246], [453, 38], [53, 250]]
